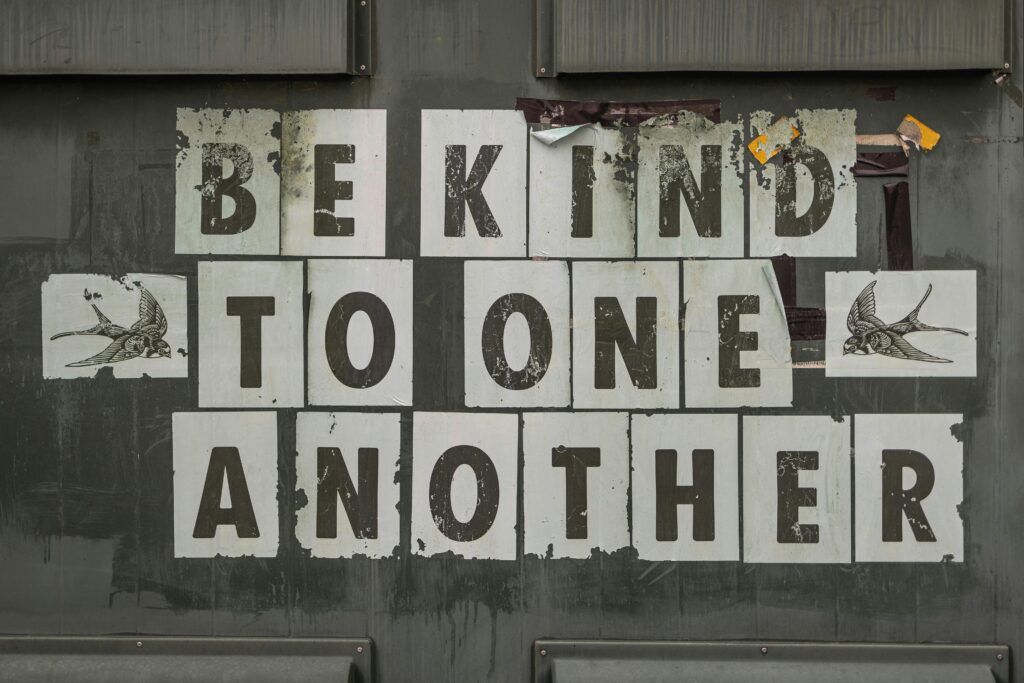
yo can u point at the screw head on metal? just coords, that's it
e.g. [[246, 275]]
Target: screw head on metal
[[362, 67], [764, 650], [362, 3], [543, 70], [1006, 66], [359, 649], [138, 644], [543, 653], [999, 656]]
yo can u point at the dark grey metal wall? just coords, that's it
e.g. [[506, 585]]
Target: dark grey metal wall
[[87, 185]]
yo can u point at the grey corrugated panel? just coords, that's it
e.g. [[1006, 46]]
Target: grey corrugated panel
[[616, 670], [174, 36], [190, 669], [777, 35]]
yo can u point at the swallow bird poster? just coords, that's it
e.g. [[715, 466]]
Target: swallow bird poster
[[133, 326], [535, 353], [919, 323]]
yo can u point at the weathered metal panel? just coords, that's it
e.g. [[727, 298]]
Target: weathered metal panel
[[183, 37], [772, 35], [87, 185]]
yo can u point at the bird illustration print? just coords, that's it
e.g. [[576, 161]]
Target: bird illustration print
[[144, 338], [871, 335]]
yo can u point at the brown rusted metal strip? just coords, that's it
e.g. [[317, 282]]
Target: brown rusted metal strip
[[574, 113]]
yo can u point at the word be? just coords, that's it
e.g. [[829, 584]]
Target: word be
[[314, 183]]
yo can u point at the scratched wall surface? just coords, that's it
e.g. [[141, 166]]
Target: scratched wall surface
[[86, 522]]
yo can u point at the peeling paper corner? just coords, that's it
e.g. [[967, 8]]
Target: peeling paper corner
[[773, 139], [769, 274], [916, 133], [550, 136], [773, 284]]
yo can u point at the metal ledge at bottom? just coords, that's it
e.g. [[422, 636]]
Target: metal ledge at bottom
[[596, 661], [187, 660]]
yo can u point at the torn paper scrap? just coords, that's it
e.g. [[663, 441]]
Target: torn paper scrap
[[916, 133], [881, 164], [880, 140], [772, 140], [899, 238]]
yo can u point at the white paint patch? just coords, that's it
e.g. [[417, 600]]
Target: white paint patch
[[253, 130], [930, 436], [67, 306], [365, 131], [626, 281], [684, 434], [220, 338], [545, 484], [390, 281], [764, 436], [551, 196], [691, 134], [348, 432], [497, 435], [951, 304], [833, 131], [195, 435], [504, 188], [487, 282], [703, 283]]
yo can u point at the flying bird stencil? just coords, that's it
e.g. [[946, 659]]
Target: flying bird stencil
[[144, 338], [871, 335]]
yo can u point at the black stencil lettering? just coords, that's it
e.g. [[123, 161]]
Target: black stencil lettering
[[669, 495], [731, 340], [704, 202], [611, 331], [336, 340], [787, 223], [333, 480], [583, 178], [250, 311], [897, 501], [792, 496], [576, 462], [487, 493], [225, 462], [326, 190], [492, 341], [461, 190], [215, 187]]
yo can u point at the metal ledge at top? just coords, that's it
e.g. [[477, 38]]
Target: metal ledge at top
[[125, 37], [588, 36]]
